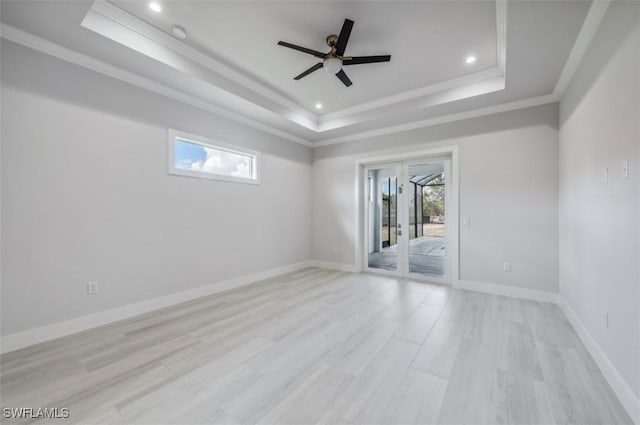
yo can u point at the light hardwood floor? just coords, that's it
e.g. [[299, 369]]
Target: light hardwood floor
[[322, 347]]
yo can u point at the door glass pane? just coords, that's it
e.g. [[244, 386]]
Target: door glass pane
[[383, 213], [426, 227]]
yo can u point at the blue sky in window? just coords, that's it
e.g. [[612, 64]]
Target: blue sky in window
[[191, 156], [187, 153], [385, 186]]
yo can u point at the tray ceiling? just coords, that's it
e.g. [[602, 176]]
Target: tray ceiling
[[428, 41], [230, 62]]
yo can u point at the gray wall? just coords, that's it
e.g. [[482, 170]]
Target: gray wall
[[86, 196], [599, 223], [508, 188]]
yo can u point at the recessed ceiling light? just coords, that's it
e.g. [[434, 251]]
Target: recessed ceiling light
[[318, 105], [155, 6], [179, 32], [470, 59]]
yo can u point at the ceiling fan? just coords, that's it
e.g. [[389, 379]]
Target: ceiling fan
[[334, 60]]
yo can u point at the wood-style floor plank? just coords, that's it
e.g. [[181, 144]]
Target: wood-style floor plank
[[319, 346]]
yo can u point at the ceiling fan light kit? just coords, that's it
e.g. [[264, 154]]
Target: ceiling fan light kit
[[332, 65], [334, 60]]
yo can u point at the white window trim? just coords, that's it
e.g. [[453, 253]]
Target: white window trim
[[203, 141]]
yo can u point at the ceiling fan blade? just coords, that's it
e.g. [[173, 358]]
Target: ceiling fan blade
[[343, 38], [309, 71], [343, 77], [302, 49], [359, 60]]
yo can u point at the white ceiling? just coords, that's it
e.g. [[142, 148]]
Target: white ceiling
[[428, 42], [230, 63]]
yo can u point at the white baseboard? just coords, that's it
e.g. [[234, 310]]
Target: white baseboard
[[46, 333], [334, 266], [34, 336], [508, 291], [623, 391], [625, 394]]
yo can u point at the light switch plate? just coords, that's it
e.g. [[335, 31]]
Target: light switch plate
[[625, 168]]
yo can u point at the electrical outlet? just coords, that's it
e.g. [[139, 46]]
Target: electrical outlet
[[606, 320], [466, 222], [92, 288], [506, 267]]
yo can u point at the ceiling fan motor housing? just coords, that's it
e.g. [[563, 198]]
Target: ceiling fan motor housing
[[332, 39], [333, 61]]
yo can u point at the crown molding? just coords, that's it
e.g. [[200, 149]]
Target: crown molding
[[589, 27], [34, 42], [120, 26], [333, 120], [444, 119], [131, 22], [501, 35], [328, 121], [592, 21], [588, 30], [231, 88]]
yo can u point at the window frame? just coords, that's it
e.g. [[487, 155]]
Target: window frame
[[175, 135]]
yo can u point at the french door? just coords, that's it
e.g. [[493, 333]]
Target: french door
[[406, 219]]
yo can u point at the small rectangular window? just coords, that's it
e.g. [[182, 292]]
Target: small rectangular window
[[195, 156]]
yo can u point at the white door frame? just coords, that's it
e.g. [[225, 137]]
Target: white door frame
[[452, 213], [400, 208], [446, 278]]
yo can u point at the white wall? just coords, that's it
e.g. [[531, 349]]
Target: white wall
[[599, 223], [86, 196], [508, 188]]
